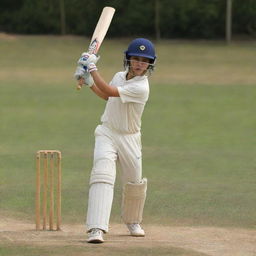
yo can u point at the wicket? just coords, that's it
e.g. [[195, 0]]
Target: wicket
[[51, 162]]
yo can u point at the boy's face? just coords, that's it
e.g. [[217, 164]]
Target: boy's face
[[138, 65]]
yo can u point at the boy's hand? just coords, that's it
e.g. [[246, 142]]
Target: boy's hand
[[80, 71], [87, 58], [86, 79]]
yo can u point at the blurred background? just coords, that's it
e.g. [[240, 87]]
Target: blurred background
[[168, 19]]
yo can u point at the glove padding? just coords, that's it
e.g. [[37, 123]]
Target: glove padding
[[82, 73], [87, 58], [88, 80], [91, 67]]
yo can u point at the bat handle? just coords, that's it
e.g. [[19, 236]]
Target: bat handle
[[78, 87]]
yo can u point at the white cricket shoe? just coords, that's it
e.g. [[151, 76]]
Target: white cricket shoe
[[95, 236], [135, 229]]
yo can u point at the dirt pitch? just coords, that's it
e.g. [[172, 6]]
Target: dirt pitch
[[207, 240]]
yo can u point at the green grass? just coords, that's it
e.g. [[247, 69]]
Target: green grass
[[201, 163], [198, 128]]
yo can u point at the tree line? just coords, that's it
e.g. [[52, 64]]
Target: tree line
[[152, 18]]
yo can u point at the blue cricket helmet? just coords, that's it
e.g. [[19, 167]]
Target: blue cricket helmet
[[141, 47]]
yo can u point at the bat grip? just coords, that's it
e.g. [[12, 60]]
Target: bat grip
[[78, 87]]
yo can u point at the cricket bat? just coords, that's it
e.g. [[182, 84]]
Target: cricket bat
[[100, 31]]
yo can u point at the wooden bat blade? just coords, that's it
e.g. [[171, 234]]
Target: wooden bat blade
[[101, 29]]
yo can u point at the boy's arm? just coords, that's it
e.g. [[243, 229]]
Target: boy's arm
[[109, 91], [94, 88], [87, 73], [98, 92]]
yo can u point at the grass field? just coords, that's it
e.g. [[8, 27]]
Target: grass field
[[198, 130]]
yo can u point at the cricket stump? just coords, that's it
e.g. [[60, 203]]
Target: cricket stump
[[50, 161]]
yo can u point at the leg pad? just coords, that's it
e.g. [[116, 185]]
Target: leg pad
[[134, 196]]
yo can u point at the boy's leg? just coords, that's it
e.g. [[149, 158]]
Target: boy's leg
[[134, 187], [101, 182], [99, 206], [130, 158]]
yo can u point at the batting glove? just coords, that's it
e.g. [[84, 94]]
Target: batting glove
[[87, 58], [92, 67], [79, 72], [82, 73], [88, 80]]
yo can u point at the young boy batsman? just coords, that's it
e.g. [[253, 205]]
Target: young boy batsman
[[118, 138]]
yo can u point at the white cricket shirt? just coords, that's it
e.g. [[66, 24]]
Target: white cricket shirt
[[123, 113]]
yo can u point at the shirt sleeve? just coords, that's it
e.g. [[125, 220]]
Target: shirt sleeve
[[136, 92]]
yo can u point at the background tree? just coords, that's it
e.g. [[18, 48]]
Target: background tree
[[62, 17], [157, 20], [229, 21], [151, 18]]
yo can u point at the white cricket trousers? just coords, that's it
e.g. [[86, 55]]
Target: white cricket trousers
[[111, 147]]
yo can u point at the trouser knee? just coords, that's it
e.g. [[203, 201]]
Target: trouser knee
[[103, 171]]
